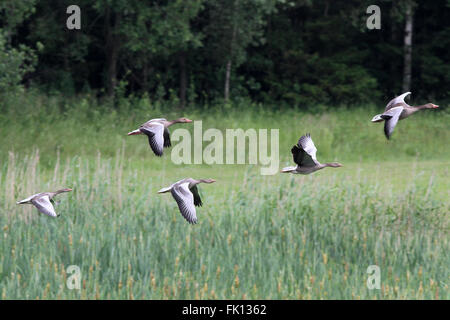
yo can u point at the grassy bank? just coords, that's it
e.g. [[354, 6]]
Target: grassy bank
[[279, 237], [83, 127]]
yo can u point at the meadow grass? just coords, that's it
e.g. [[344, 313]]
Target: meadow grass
[[82, 127], [258, 237]]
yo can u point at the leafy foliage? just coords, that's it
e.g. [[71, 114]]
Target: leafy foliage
[[300, 53], [14, 64]]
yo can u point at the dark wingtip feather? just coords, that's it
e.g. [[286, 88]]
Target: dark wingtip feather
[[386, 132], [167, 142], [198, 203]]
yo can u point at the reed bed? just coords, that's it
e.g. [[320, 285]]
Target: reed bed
[[303, 237]]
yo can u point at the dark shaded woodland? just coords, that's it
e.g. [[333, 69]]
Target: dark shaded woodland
[[295, 53]]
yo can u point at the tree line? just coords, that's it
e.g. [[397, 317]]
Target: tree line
[[298, 52]]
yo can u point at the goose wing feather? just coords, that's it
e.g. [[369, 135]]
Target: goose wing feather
[[44, 205], [185, 200], [297, 154], [197, 200], [305, 152], [158, 120], [155, 134], [397, 101], [167, 142], [391, 118]]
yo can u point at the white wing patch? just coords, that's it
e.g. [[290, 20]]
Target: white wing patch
[[308, 145]]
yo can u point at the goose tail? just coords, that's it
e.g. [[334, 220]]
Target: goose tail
[[377, 118], [164, 190], [288, 169]]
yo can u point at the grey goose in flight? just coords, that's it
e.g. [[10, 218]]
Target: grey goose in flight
[[397, 109], [304, 154], [158, 133], [44, 201], [186, 195]]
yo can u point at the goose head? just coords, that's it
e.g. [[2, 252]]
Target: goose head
[[63, 190], [431, 106], [334, 164], [207, 180], [137, 131], [182, 120]]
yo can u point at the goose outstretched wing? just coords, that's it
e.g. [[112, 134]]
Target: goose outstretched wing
[[304, 153], [185, 200], [155, 134], [44, 205], [397, 101], [391, 118]]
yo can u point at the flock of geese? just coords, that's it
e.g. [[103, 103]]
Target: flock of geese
[[185, 191]]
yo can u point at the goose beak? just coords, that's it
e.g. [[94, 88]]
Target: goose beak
[[188, 120], [132, 133], [435, 106]]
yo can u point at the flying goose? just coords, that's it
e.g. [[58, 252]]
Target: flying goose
[[44, 202], [397, 109], [158, 133], [304, 153], [186, 195]]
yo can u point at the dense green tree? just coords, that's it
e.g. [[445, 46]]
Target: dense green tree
[[14, 64], [297, 52], [62, 58], [233, 26], [16, 59], [160, 32]]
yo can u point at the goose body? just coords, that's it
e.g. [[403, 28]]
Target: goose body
[[186, 195], [304, 155], [158, 133], [397, 109], [44, 202]]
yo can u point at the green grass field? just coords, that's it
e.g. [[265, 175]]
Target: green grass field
[[258, 237]]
